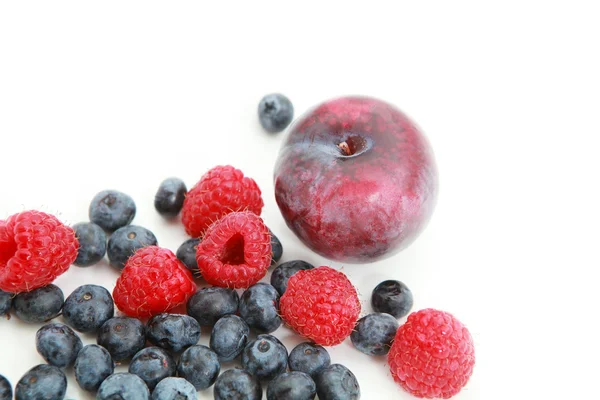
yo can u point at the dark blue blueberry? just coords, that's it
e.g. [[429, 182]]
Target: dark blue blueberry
[[5, 302], [39, 305], [125, 241], [309, 358], [88, 307], [281, 275], [229, 337], [209, 304], [275, 112], [121, 386], [111, 210], [174, 389], [337, 382], [173, 332], [265, 357], [374, 333], [168, 200], [92, 366], [293, 385], [187, 255], [200, 366], [152, 364], [92, 243], [259, 308], [5, 389], [122, 337], [392, 297], [276, 249], [42, 382], [58, 344], [237, 384]]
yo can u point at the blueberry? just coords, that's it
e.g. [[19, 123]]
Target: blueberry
[[258, 307], [92, 366], [293, 385], [374, 333], [124, 242], [58, 344], [237, 384], [122, 337], [209, 304], [275, 112], [337, 382], [39, 305], [265, 357], [229, 337], [174, 389], [309, 358], [392, 297], [122, 386], [186, 253], [111, 210], [92, 243], [5, 389], [5, 302], [88, 307], [281, 275], [168, 200], [152, 364], [42, 382], [200, 366], [174, 332], [276, 249]]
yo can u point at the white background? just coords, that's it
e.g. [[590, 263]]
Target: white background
[[123, 94]]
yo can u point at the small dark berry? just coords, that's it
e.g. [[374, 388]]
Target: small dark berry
[[168, 200], [5, 389], [337, 382], [186, 253], [111, 210], [125, 241], [39, 305], [392, 297], [92, 244], [152, 364], [293, 385], [5, 302], [265, 357], [275, 112], [209, 304], [174, 389], [200, 366], [237, 384], [58, 344], [309, 358], [42, 382], [259, 308], [122, 386], [229, 337], [92, 366], [281, 275], [374, 333], [173, 332], [123, 337], [88, 307], [276, 249]]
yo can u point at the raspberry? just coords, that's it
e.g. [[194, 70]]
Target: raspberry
[[35, 248], [432, 355], [235, 251], [220, 191], [320, 304], [153, 281]]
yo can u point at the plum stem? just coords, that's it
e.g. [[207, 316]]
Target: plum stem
[[345, 148]]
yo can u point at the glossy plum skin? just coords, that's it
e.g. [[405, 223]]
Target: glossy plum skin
[[356, 180]]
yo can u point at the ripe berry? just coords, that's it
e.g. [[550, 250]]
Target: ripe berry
[[275, 112], [111, 210], [374, 333], [125, 241], [152, 364], [174, 389], [39, 305], [229, 337], [123, 385], [209, 304], [5, 302], [168, 200], [392, 297], [123, 337], [259, 308], [276, 249], [173, 332], [92, 243], [265, 357], [281, 275], [42, 382], [237, 384], [200, 366], [308, 358], [292, 385], [336, 382], [58, 344], [5, 389], [187, 255], [92, 366], [88, 307]]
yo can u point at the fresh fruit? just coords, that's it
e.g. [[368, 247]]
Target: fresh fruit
[[92, 366], [39, 305], [123, 337], [336, 382], [5, 303], [125, 241], [200, 366], [187, 255], [281, 275], [276, 249], [265, 357], [123, 385], [292, 385], [35, 248], [111, 210], [259, 308], [169, 197], [392, 297], [58, 344], [153, 281], [88, 307], [174, 389], [275, 112], [356, 180], [236, 383], [92, 244], [235, 251], [229, 337], [432, 355], [173, 332], [42, 382], [320, 304], [309, 358], [152, 364], [374, 333], [5, 389], [209, 304], [222, 190]]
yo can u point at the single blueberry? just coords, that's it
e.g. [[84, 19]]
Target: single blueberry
[[237, 384], [275, 112], [58, 344], [337, 382], [209, 304], [92, 243], [92, 366], [39, 305], [5, 302], [392, 297], [199, 365], [309, 358], [374, 333], [122, 337], [276, 249], [42, 382], [125, 241], [186, 253], [5, 389], [259, 308], [168, 200], [88, 307], [229, 337], [293, 385], [111, 210], [265, 357], [281, 275], [174, 389], [121, 386], [174, 332], [152, 364]]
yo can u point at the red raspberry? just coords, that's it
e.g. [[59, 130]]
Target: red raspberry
[[35, 248], [153, 281], [221, 190], [235, 251], [432, 355], [320, 304]]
